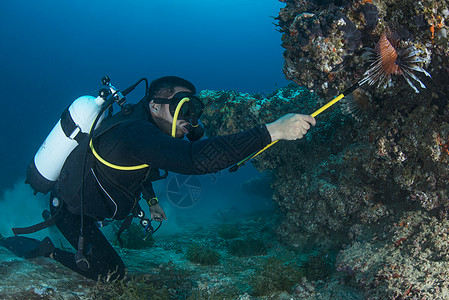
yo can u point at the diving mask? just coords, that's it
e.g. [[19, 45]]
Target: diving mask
[[189, 110]]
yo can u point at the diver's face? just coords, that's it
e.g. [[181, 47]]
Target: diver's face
[[161, 113]]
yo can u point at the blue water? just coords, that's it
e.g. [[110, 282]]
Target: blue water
[[54, 51]]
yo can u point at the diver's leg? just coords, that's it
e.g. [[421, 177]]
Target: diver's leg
[[104, 262]]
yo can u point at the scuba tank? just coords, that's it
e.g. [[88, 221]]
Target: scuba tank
[[44, 169], [75, 124]]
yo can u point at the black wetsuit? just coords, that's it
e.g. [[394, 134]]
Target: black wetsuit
[[133, 139]]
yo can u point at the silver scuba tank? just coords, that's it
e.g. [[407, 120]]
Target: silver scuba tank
[[75, 122]]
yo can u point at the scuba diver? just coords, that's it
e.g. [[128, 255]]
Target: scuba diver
[[106, 179]]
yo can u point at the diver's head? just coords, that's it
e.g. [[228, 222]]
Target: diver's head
[[169, 82], [164, 95]]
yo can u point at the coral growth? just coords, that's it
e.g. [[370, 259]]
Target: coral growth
[[409, 259], [134, 237], [202, 255], [317, 267], [274, 275], [134, 287], [227, 232]]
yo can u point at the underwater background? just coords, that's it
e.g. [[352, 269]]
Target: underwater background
[[358, 209], [53, 52]]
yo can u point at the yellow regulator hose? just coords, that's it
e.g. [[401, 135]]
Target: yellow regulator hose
[[175, 117]]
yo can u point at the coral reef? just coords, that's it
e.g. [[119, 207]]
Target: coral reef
[[345, 185], [311, 206], [324, 40]]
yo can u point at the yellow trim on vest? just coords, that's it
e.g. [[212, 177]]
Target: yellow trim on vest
[[117, 167]]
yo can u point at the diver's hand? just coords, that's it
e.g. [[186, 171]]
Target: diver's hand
[[290, 127], [157, 213]]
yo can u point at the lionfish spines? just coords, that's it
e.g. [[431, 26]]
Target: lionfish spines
[[388, 59]]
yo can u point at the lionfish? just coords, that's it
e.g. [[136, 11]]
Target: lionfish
[[387, 59], [357, 104]]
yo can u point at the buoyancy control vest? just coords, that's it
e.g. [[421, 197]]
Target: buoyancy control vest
[[117, 199]]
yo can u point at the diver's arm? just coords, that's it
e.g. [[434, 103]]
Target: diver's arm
[[147, 144], [220, 152]]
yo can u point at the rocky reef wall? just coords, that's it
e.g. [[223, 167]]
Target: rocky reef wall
[[372, 178], [324, 41]]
